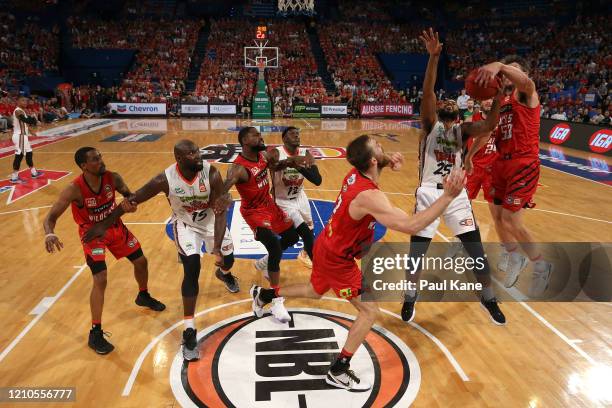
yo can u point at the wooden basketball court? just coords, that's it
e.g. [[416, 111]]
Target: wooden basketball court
[[548, 355]]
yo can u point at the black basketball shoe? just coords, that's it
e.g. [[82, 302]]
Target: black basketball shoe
[[98, 343], [494, 311], [144, 299]]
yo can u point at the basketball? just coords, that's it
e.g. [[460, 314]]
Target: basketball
[[479, 92]]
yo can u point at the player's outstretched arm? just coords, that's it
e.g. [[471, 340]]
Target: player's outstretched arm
[[483, 128], [478, 144], [376, 204], [520, 79], [67, 196], [428, 103], [156, 185]]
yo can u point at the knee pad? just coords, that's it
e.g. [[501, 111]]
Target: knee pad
[[473, 246], [17, 161], [228, 262], [191, 269], [29, 159]]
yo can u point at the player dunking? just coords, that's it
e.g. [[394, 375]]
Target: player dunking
[[288, 189], [21, 140], [440, 150], [249, 173], [192, 187], [517, 169], [92, 198], [346, 237]]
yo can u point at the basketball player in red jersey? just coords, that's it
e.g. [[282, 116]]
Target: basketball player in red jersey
[[347, 236], [249, 173], [478, 163], [92, 198], [517, 169]]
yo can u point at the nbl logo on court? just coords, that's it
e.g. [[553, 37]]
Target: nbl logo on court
[[560, 133], [248, 362]]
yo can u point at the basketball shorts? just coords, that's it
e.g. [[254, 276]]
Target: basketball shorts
[[482, 177], [117, 239], [22, 144], [298, 209], [270, 217], [515, 182], [331, 272], [458, 216], [189, 240]]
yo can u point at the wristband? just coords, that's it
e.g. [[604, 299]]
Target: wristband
[[51, 235]]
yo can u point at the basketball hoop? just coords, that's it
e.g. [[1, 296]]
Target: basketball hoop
[[286, 7]]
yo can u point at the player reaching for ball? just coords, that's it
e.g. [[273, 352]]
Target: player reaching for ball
[[517, 169], [440, 149]]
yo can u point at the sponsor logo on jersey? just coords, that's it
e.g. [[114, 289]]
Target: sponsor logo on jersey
[[179, 190], [132, 242], [256, 363], [351, 180], [601, 141], [90, 202], [97, 251], [560, 133], [227, 153], [202, 188]]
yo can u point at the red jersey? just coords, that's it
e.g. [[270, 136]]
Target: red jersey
[[488, 153], [343, 236], [96, 206], [518, 132], [255, 192]]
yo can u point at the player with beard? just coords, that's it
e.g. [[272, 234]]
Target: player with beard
[[92, 198], [192, 186], [440, 150], [517, 169], [347, 237], [249, 173]]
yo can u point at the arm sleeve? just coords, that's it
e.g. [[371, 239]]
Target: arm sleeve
[[312, 174]]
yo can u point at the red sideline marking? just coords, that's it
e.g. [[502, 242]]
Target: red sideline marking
[[18, 191]]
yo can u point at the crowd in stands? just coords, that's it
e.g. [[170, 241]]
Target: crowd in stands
[[26, 48], [223, 77], [296, 79], [164, 50]]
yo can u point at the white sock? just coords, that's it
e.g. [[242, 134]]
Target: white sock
[[33, 171], [189, 323], [15, 175]]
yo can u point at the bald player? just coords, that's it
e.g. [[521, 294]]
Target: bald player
[[192, 187]]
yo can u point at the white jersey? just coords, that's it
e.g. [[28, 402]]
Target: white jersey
[[288, 183], [189, 200], [19, 127], [439, 152]]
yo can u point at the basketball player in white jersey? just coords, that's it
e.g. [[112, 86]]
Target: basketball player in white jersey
[[288, 192], [440, 150], [21, 134], [192, 186]]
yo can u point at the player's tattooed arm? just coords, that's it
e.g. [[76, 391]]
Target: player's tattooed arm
[[236, 174], [428, 103], [120, 185], [156, 185], [483, 128], [67, 196]]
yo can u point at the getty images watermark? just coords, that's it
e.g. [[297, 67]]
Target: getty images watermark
[[446, 272]]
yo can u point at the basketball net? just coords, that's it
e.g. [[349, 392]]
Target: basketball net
[[296, 6]]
